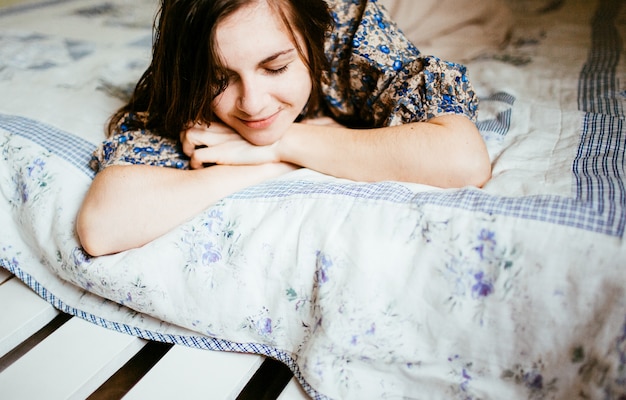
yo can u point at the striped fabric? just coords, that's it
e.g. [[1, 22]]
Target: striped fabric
[[502, 122], [73, 149]]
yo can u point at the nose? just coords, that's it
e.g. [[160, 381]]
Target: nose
[[252, 96]]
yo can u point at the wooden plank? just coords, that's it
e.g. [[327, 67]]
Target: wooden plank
[[293, 391], [126, 377], [187, 373], [4, 275], [69, 364], [268, 381], [23, 313]]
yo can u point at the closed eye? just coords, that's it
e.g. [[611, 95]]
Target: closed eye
[[277, 71]]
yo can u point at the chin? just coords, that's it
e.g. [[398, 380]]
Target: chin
[[264, 137], [261, 138]]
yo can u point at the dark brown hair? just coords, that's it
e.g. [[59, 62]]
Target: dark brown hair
[[185, 73]]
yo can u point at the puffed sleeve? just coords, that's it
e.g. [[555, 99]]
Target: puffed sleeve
[[379, 78], [129, 146]]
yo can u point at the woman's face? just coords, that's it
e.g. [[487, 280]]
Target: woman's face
[[268, 82]]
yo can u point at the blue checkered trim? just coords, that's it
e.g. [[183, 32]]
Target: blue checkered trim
[[199, 342], [553, 209], [502, 122], [385, 191], [599, 89], [73, 149], [599, 170], [599, 165]]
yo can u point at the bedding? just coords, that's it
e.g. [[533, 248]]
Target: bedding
[[364, 290], [455, 30]]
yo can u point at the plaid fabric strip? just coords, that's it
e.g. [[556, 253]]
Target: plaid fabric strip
[[71, 148], [599, 165], [502, 122], [386, 191], [599, 169], [598, 90]]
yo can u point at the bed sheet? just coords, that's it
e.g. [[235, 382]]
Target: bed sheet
[[365, 290]]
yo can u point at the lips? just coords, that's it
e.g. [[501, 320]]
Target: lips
[[260, 123]]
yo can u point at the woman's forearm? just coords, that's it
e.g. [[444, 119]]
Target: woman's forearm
[[446, 151], [128, 206]]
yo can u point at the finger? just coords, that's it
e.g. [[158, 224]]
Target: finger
[[203, 156], [232, 153], [201, 137], [187, 146], [194, 163], [195, 138]]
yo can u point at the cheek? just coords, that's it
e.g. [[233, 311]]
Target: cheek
[[222, 104], [300, 87]]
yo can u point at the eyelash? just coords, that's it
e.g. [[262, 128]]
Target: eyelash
[[277, 71], [269, 71]]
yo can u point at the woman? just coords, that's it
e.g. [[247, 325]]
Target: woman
[[250, 86]]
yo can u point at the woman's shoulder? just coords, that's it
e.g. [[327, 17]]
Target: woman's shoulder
[[378, 77], [131, 144], [365, 29]]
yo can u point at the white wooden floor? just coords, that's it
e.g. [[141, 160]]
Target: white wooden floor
[[45, 354]]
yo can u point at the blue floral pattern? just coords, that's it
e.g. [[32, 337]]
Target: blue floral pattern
[[128, 147], [379, 78]]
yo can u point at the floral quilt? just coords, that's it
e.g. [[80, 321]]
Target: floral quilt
[[365, 290]]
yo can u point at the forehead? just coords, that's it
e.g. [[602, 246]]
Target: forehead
[[252, 31]]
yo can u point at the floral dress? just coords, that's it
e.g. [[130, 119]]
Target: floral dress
[[377, 78]]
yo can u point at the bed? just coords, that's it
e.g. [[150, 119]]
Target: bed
[[359, 290]]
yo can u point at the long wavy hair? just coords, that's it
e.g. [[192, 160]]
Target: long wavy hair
[[185, 73]]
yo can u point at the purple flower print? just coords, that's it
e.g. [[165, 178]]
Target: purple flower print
[[35, 170], [466, 380], [265, 326], [23, 192], [323, 263], [483, 287], [487, 242], [80, 258], [211, 254], [533, 380], [215, 219]]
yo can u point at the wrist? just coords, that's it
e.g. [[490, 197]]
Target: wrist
[[285, 148]]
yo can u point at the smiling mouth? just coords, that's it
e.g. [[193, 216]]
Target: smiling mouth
[[260, 123]]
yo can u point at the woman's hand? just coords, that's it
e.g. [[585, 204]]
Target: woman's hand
[[220, 144]]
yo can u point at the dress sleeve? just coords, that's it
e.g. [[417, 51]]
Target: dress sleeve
[[128, 146], [379, 78]]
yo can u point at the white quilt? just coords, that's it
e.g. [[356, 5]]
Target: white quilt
[[366, 291]]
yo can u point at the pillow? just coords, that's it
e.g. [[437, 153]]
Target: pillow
[[455, 30]]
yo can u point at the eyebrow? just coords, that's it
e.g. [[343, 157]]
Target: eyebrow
[[275, 56]]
